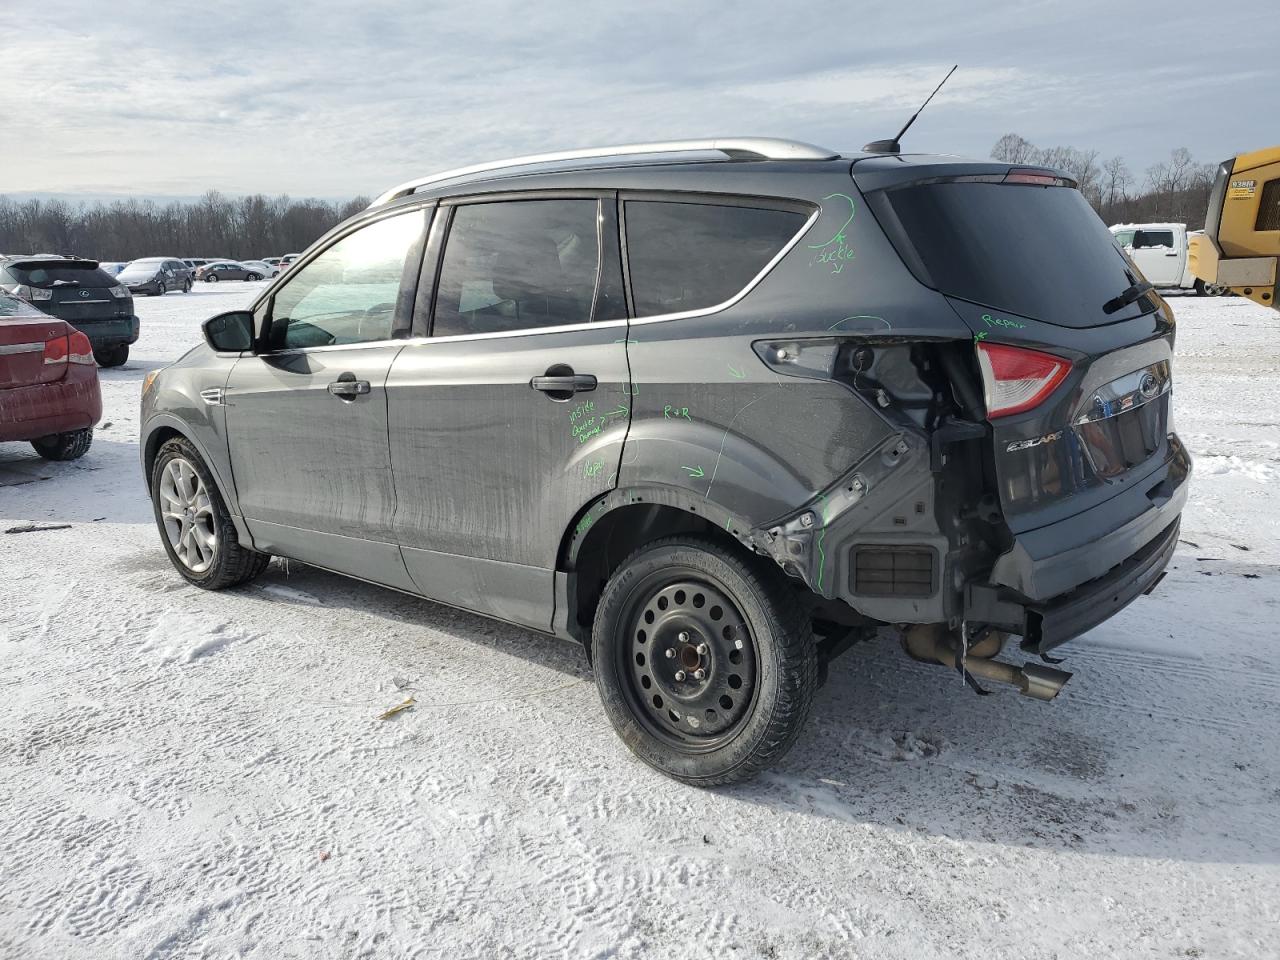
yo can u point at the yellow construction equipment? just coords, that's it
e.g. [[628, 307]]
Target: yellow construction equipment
[[1240, 246]]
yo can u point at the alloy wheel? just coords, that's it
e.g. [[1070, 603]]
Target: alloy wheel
[[187, 512]]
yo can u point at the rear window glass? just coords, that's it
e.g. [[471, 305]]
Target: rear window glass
[[13, 307], [688, 256], [1039, 252], [51, 276]]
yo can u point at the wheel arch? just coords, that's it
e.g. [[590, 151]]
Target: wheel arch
[[609, 529], [162, 428]]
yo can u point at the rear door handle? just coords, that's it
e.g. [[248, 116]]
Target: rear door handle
[[348, 387], [572, 383]]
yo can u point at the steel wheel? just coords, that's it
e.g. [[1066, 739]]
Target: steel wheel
[[690, 667], [187, 512]]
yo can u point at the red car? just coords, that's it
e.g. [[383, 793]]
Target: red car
[[49, 390]]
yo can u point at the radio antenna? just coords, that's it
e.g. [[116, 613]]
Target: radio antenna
[[891, 146]]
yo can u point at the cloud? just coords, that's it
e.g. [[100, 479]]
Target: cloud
[[340, 98]]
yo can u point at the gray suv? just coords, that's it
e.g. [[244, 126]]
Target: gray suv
[[715, 409]]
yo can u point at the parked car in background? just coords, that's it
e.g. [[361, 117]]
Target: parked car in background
[[227, 270], [266, 269], [112, 268], [49, 393], [195, 262], [1160, 251], [287, 261], [702, 418], [82, 294], [273, 261], [156, 276]]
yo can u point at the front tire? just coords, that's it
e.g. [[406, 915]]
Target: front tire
[[113, 356], [64, 446], [211, 278], [704, 660], [195, 525], [254, 276]]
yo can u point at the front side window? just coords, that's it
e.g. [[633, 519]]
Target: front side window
[[689, 256], [516, 265], [348, 293], [1148, 239]]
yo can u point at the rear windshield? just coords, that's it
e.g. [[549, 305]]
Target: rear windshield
[[49, 275], [1039, 252], [13, 307]]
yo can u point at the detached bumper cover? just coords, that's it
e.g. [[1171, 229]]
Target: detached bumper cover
[[42, 409]]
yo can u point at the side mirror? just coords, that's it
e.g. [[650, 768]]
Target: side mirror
[[230, 332]]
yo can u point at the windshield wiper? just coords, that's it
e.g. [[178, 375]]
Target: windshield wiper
[[1127, 297]]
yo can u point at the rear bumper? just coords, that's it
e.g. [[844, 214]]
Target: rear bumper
[[42, 409], [1063, 579], [106, 333]]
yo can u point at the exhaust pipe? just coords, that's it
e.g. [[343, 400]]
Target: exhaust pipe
[[931, 643]]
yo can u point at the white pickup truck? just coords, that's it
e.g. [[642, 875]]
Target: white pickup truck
[[1160, 251]]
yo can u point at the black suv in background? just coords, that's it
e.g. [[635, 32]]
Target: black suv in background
[[81, 293], [156, 276], [715, 409]]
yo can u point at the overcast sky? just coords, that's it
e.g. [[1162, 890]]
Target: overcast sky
[[336, 99]]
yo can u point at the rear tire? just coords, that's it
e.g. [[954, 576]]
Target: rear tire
[[64, 446], [704, 660], [195, 525], [113, 356], [254, 276]]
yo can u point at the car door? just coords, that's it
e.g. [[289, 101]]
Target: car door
[[1156, 254], [307, 412], [510, 417]]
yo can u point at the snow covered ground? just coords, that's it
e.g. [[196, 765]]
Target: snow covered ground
[[196, 774]]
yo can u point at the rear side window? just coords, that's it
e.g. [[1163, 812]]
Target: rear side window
[[49, 275], [518, 265], [690, 256]]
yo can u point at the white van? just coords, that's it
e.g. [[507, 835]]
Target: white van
[[1160, 251]]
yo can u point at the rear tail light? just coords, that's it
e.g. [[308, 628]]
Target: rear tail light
[[27, 292], [1015, 379], [79, 349], [55, 351], [119, 291]]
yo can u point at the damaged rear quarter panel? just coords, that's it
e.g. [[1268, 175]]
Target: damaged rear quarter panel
[[712, 420]]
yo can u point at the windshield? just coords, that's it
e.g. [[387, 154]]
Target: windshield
[[1040, 252], [49, 275], [142, 268]]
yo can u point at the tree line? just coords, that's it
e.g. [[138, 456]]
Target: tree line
[[1174, 190], [237, 228]]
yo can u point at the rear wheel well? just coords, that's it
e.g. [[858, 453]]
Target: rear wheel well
[[613, 538]]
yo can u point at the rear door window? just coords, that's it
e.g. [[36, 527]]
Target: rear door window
[[690, 256], [518, 265]]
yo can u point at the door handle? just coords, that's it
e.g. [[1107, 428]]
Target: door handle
[[566, 384], [348, 387]]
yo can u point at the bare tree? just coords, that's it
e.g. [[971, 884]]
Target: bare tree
[[1011, 148], [215, 225]]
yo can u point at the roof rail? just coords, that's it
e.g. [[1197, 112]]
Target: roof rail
[[734, 148]]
